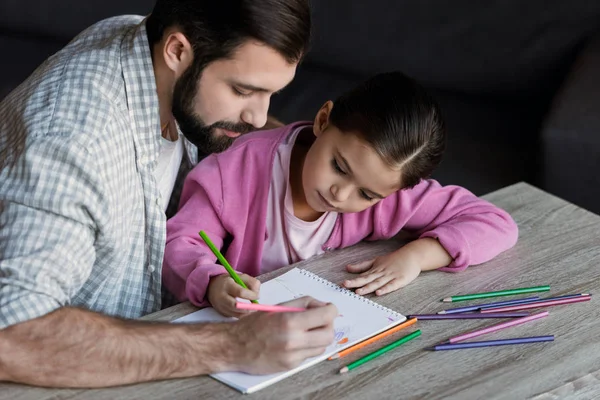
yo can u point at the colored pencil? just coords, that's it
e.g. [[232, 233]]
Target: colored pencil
[[536, 304], [469, 316], [488, 343], [496, 327], [263, 307], [373, 339], [379, 352], [478, 306], [508, 292], [223, 261], [566, 296]]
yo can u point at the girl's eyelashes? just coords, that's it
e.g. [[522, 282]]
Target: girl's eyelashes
[[365, 196], [337, 167], [241, 93], [339, 170]]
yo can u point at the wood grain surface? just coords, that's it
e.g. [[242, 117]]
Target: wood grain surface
[[559, 245]]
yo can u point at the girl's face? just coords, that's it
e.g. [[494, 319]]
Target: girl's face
[[342, 172]]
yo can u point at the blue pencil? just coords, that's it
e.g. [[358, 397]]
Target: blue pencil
[[496, 304], [488, 343]]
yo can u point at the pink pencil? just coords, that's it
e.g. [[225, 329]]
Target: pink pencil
[[537, 304], [263, 307], [496, 327]]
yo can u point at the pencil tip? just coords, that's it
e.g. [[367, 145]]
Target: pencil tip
[[344, 370], [334, 357], [442, 312], [447, 300]]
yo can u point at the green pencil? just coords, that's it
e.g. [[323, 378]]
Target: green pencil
[[379, 352], [224, 262], [498, 293]]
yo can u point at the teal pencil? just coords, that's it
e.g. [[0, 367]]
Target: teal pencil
[[508, 292], [223, 261]]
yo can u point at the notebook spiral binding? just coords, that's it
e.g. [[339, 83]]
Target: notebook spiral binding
[[348, 292]]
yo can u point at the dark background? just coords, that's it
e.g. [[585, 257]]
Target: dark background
[[518, 81]]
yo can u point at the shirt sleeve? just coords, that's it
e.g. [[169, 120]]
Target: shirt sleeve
[[471, 230], [49, 193], [188, 262]]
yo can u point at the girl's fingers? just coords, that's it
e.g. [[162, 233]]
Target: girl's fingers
[[252, 283], [374, 285], [236, 290], [392, 285], [360, 267], [361, 280]]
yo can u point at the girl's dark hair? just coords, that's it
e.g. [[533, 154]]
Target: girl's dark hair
[[215, 28], [399, 120]]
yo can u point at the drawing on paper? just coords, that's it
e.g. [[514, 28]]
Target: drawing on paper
[[341, 334], [286, 287]]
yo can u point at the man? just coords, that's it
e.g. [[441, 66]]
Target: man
[[91, 146]]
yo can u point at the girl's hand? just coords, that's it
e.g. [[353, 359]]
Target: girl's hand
[[395, 270], [223, 291], [383, 274]]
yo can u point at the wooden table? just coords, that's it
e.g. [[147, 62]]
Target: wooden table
[[559, 245]]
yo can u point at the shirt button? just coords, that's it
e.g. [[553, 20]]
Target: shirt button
[[158, 201]]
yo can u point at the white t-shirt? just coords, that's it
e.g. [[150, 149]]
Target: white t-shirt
[[169, 161], [290, 239]]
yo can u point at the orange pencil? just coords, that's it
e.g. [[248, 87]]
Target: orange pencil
[[375, 338]]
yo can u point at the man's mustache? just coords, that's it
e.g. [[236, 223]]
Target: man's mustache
[[241, 127]]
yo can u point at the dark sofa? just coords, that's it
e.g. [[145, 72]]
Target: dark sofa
[[519, 82]]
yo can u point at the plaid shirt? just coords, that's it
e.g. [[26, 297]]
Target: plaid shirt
[[81, 222]]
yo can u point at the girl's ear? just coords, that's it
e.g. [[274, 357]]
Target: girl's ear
[[322, 118]]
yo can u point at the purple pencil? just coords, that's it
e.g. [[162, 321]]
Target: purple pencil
[[536, 299], [536, 304], [488, 343], [422, 317], [495, 304], [496, 327]]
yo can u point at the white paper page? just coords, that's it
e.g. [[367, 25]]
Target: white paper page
[[358, 319]]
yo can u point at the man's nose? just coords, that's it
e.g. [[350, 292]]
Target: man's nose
[[256, 113]]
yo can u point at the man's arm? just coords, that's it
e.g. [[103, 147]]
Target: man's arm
[[76, 348], [72, 347]]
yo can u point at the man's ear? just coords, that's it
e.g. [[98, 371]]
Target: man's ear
[[322, 118], [178, 53]]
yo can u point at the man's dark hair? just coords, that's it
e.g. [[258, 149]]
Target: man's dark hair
[[215, 28], [399, 120]]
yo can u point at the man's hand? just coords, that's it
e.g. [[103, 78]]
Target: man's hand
[[223, 290], [47, 351], [264, 342]]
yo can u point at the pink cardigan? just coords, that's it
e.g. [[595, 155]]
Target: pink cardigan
[[226, 196]]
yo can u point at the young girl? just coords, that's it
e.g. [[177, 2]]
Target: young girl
[[359, 172]]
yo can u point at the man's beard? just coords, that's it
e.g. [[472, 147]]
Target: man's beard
[[192, 126]]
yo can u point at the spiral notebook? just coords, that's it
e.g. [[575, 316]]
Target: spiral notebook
[[359, 319]]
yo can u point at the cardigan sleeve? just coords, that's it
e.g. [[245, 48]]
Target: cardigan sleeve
[[188, 262], [471, 230]]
